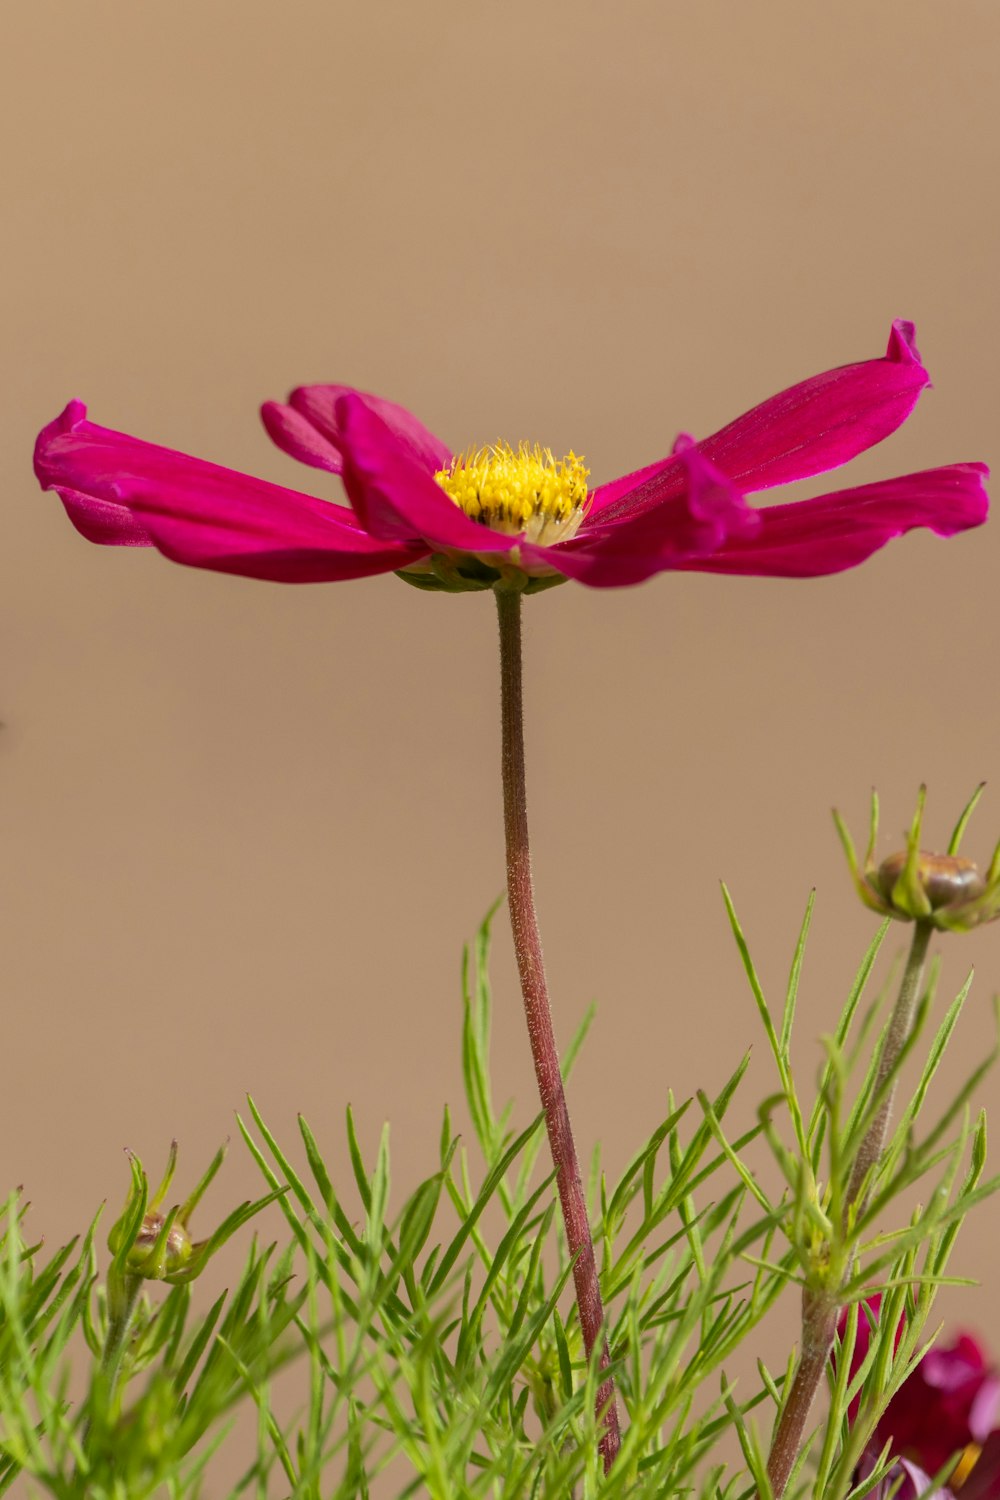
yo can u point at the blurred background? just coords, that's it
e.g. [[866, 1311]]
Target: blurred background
[[247, 828]]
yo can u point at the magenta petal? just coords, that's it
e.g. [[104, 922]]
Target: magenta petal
[[822, 422], [916, 1484], [707, 511], [121, 490], [317, 405], [807, 429], [640, 490], [291, 431], [107, 522], [837, 531], [223, 553], [394, 496], [959, 1364], [869, 1311], [905, 1480], [102, 521], [985, 1408]]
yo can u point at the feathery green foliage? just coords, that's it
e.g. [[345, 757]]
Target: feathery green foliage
[[431, 1347]]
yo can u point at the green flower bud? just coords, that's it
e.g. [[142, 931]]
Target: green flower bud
[[156, 1246], [155, 1234], [913, 885]]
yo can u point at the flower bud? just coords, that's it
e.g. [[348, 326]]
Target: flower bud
[[913, 885], [174, 1245], [945, 879], [156, 1246]]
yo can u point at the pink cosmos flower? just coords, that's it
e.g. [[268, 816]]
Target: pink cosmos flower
[[950, 1404], [466, 522], [908, 1481], [951, 1400]]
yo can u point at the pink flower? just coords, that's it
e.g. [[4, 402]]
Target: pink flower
[[466, 522], [949, 1405], [871, 1308], [906, 1480], [952, 1399]]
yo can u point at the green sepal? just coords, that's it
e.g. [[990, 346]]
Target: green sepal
[[442, 574]]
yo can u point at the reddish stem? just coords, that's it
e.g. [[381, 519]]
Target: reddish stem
[[819, 1325], [528, 948]]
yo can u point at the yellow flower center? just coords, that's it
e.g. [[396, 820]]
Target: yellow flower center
[[527, 491]]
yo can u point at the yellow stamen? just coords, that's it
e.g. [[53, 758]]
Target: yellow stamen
[[528, 491], [964, 1466]]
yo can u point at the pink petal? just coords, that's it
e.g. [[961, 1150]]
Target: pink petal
[[825, 421], [394, 495], [663, 480], [106, 521], [916, 1484], [291, 431], [954, 1365], [317, 405], [840, 530], [985, 1408], [102, 521], [222, 552], [123, 491], [707, 511], [809, 428]]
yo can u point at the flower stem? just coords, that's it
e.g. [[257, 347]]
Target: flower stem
[[895, 1038], [121, 1307], [819, 1324], [123, 1294], [528, 949], [821, 1309]]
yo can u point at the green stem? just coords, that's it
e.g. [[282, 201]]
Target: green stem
[[123, 1294], [121, 1308], [895, 1039], [821, 1309], [528, 949]]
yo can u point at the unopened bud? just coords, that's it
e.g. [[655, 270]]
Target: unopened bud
[[944, 878], [155, 1246], [941, 890], [175, 1252]]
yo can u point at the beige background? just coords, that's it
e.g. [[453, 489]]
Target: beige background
[[246, 828]]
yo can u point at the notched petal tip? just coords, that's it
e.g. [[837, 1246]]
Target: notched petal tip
[[832, 532], [965, 499], [823, 421], [72, 414], [902, 348], [122, 491]]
